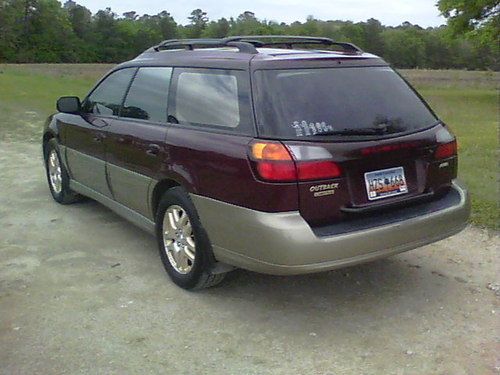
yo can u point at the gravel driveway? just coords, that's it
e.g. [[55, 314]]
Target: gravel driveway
[[83, 292]]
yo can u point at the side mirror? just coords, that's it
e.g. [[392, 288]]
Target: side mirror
[[69, 104]]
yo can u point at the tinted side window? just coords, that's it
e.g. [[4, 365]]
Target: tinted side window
[[212, 98], [107, 98], [148, 95]]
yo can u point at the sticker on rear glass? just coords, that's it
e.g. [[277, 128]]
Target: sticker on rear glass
[[304, 128]]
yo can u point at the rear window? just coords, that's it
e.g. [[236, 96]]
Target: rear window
[[314, 102], [211, 98]]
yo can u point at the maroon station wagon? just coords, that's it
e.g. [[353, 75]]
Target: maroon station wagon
[[281, 155]]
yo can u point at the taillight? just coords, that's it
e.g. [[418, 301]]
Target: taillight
[[275, 162], [277, 171], [446, 150]]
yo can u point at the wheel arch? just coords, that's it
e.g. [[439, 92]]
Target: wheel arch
[[47, 136], [159, 189], [50, 130]]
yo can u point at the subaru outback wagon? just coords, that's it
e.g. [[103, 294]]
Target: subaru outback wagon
[[281, 155]]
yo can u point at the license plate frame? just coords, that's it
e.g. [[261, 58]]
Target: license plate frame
[[385, 183]]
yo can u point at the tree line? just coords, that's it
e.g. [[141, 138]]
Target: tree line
[[45, 31]]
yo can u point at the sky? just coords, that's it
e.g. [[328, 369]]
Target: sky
[[389, 12]]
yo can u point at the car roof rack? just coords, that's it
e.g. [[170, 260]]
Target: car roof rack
[[250, 43], [191, 44], [290, 40]]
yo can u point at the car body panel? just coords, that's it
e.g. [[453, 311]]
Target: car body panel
[[84, 138], [216, 166], [414, 152], [287, 245], [88, 170], [135, 155]]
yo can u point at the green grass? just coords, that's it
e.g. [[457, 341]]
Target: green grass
[[466, 101], [473, 116], [27, 97]]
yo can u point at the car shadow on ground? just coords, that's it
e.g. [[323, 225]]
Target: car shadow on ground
[[402, 284], [385, 292]]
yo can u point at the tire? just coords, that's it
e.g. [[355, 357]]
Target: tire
[[57, 175], [185, 249]]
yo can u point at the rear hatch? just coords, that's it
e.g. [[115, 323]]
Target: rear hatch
[[388, 148]]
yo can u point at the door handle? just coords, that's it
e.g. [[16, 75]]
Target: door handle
[[98, 138], [153, 150]]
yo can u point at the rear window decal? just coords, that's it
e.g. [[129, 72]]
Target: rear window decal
[[303, 128]]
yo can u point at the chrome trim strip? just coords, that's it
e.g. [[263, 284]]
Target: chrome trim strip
[[127, 213]]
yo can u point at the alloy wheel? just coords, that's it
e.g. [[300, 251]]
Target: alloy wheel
[[178, 239]]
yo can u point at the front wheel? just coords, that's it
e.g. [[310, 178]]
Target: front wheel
[[57, 176], [184, 246]]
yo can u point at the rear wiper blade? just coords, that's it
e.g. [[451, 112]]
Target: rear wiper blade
[[355, 131]]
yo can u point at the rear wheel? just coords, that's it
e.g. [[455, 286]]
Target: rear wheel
[[57, 176], [184, 246]]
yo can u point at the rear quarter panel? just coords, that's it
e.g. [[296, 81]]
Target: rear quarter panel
[[216, 165]]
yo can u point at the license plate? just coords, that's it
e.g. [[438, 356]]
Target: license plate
[[385, 183]]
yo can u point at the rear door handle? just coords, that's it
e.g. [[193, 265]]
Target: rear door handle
[[153, 150], [98, 138]]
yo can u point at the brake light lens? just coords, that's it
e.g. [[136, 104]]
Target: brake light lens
[[274, 162], [317, 170], [446, 150], [283, 172]]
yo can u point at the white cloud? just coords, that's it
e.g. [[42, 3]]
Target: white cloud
[[389, 12]]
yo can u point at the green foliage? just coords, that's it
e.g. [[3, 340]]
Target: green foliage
[[45, 31], [217, 29], [478, 20], [198, 22], [468, 15], [406, 48]]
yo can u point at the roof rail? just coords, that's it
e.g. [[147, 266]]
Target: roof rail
[[290, 40], [191, 44], [250, 43]]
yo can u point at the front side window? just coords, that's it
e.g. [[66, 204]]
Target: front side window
[[106, 99], [148, 95], [211, 97]]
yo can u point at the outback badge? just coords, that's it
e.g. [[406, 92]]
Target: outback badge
[[324, 189]]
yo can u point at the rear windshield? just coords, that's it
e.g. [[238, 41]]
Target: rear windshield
[[300, 103]]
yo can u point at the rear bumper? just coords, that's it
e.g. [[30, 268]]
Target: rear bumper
[[284, 244]]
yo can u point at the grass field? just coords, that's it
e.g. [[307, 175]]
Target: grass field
[[467, 101]]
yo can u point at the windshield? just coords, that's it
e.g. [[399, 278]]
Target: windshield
[[299, 103]]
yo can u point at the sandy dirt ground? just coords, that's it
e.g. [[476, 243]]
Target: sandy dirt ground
[[83, 292]]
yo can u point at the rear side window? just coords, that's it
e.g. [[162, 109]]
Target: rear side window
[[148, 95], [314, 102], [106, 99], [212, 98]]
